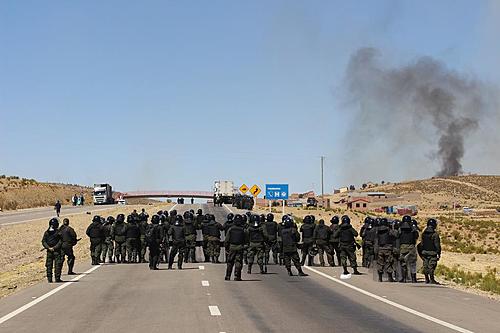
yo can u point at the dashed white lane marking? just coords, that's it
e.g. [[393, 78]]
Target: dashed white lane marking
[[394, 304], [214, 310], [205, 283], [44, 296], [201, 267], [173, 207]]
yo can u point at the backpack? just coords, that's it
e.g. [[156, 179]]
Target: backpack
[[150, 234]]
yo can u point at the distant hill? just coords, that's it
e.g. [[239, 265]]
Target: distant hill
[[17, 193], [475, 190]]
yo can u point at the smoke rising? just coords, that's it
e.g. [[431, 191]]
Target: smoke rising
[[422, 108]]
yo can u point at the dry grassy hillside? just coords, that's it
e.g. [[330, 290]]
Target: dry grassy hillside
[[472, 190], [16, 193]]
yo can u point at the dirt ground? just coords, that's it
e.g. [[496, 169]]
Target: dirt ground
[[22, 264]]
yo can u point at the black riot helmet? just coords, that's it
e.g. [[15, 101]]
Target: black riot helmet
[[335, 220], [230, 216], [346, 219], [173, 212], [432, 223], [159, 213], [163, 218], [313, 218], [110, 219], [368, 220], [155, 219], [130, 219], [407, 219], [255, 220], [186, 214], [212, 217], [262, 218], [178, 219], [53, 223], [270, 217], [321, 222], [96, 219], [238, 219], [120, 218], [383, 222], [244, 218], [199, 212], [288, 222], [307, 219]]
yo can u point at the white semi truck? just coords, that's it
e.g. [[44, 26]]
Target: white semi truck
[[224, 191], [103, 194]]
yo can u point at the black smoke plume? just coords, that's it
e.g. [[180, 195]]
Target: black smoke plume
[[419, 104]]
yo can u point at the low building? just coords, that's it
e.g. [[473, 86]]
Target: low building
[[358, 203]]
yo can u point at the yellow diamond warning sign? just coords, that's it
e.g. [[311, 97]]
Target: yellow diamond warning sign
[[243, 189], [255, 190]]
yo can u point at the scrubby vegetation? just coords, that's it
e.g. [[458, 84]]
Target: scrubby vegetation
[[486, 282]]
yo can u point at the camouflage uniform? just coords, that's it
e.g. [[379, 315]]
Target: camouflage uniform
[[52, 242]]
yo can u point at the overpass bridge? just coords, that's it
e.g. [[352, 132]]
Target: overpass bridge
[[168, 194]]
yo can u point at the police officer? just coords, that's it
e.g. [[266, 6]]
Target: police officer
[[290, 238], [69, 240], [107, 245], [408, 236], [214, 229], [307, 230], [257, 237], [346, 235], [384, 246], [368, 236], [164, 245], [118, 234], [190, 235], [204, 231], [334, 242], [271, 229], [430, 250], [96, 235], [229, 223], [142, 223], [236, 238], [52, 242], [322, 236], [154, 236], [132, 238], [177, 233]]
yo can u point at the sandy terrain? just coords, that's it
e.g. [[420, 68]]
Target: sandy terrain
[[23, 264]]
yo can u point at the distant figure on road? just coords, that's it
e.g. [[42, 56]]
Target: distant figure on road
[[74, 200], [69, 239], [192, 201], [52, 242], [57, 208]]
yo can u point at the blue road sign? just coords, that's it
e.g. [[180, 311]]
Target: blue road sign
[[277, 191]]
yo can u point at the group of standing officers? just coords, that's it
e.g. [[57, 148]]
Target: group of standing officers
[[392, 245]]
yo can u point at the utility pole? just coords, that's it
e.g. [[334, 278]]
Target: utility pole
[[322, 184]]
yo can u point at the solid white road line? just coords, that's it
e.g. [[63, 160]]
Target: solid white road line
[[44, 296], [43, 218], [394, 304], [214, 310], [205, 283], [201, 267], [173, 207]]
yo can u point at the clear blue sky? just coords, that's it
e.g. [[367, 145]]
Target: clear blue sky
[[174, 95]]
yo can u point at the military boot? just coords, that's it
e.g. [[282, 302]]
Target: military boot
[[310, 261], [275, 259], [289, 271], [390, 278], [70, 269], [403, 276], [262, 269], [414, 278], [249, 271], [49, 279], [427, 279], [301, 273], [356, 272], [433, 281], [345, 270], [217, 260], [380, 277], [213, 259], [58, 279]]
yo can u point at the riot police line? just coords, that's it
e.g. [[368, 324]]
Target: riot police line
[[390, 247]]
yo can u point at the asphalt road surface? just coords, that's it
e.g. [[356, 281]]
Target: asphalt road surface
[[131, 298], [28, 215]]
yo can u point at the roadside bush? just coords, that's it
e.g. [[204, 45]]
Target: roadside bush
[[487, 282]]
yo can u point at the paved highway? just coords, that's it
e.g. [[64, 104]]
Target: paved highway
[[27, 215], [131, 298]]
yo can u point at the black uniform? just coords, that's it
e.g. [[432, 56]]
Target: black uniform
[[307, 230], [69, 240], [177, 233], [322, 236], [96, 235], [236, 238], [52, 242]]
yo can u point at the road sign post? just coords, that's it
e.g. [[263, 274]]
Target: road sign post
[[277, 192]]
